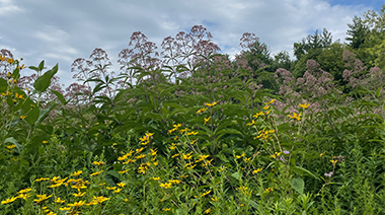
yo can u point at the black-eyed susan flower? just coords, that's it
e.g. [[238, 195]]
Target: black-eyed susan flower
[[7, 201], [210, 105], [304, 106]]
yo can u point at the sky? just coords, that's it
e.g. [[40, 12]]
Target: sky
[[62, 31]]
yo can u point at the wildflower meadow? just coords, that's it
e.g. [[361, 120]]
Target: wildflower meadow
[[190, 131]]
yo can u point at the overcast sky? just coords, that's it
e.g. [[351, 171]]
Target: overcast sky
[[62, 31]]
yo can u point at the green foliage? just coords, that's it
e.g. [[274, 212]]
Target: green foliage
[[210, 143]]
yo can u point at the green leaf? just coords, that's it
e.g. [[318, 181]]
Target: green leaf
[[33, 115], [59, 96], [298, 184], [41, 150], [113, 173], [34, 68], [43, 82], [41, 66], [253, 204], [236, 175], [298, 169], [3, 85]]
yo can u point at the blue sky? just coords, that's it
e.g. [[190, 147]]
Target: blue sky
[[62, 31]]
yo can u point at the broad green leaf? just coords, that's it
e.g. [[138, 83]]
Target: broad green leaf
[[16, 74], [59, 96], [3, 85], [298, 169], [298, 184], [43, 82], [33, 115], [236, 175], [113, 173], [41, 65]]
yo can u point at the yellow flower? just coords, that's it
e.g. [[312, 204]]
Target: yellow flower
[[257, 170], [26, 190], [206, 120], [304, 106], [183, 130], [252, 123], [166, 209], [118, 190], [201, 110], [333, 161], [42, 179], [44, 141], [22, 117], [77, 204], [165, 185], [22, 67], [123, 171], [10, 60], [270, 102], [174, 155], [121, 184], [174, 181], [170, 131], [96, 173], [187, 156], [8, 200], [23, 196], [155, 178], [258, 114], [42, 198], [241, 156], [214, 199], [266, 107], [208, 211], [210, 105], [65, 208], [206, 193], [80, 194], [98, 163], [192, 133], [276, 154], [268, 190], [153, 152], [58, 200], [55, 185], [77, 173], [11, 146], [322, 154], [140, 156], [101, 199], [139, 150], [93, 202], [110, 188], [295, 116]]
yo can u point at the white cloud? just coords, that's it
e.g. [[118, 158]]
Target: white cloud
[[62, 31], [6, 7]]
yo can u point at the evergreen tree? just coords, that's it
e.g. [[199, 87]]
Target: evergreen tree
[[357, 32]]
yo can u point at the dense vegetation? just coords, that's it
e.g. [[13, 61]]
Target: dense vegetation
[[189, 131]]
